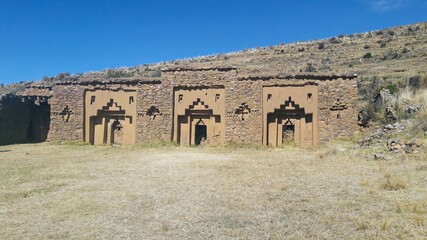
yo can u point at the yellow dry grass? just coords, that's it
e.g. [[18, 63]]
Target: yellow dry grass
[[168, 192]]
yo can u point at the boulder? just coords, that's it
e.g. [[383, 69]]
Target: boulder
[[388, 127], [393, 141], [412, 109]]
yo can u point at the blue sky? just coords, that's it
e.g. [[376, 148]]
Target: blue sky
[[47, 37]]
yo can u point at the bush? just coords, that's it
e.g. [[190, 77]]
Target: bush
[[392, 88], [334, 40], [321, 45], [309, 68], [117, 73], [367, 55], [62, 76], [390, 55]]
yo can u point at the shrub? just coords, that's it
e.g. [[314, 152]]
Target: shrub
[[390, 55], [367, 55], [309, 68], [321, 45], [62, 76], [392, 88], [334, 40], [116, 73]]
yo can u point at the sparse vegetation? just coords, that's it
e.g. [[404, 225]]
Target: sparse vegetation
[[83, 191], [393, 182], [309, 68], [334, 40], [367, 55]]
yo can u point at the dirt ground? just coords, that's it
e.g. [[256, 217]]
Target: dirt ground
[[332, 192]]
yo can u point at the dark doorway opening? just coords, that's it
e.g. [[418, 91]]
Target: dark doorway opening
[[200, 134], [39, 122], [288, 133]]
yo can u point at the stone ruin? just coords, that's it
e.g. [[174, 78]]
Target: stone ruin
[[189, 106]]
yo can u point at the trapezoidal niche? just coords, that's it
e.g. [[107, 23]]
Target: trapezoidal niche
[[199, 116], [290, 115], [110, 116]]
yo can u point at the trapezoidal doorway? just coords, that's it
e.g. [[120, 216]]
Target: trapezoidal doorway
[[200, 132], [290, 115], [199, 116], [110, 116]]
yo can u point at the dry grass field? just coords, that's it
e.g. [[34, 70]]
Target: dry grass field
[[87, 192]]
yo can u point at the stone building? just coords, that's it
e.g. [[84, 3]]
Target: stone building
[[212, 105]]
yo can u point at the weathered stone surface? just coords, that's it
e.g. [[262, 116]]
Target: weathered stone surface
[[336, 99]]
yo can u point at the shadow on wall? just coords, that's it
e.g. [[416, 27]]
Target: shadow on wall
[[23, 120]]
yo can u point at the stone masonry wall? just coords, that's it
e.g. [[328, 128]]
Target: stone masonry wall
[[66, 126], [337, 118], [243, 100]]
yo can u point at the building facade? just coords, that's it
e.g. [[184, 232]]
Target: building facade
[[204, 105]]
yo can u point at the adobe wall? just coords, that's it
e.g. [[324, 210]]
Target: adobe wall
[[243, 121]]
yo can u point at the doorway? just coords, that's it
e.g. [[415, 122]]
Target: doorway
[[200, 134], [288, 133]]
